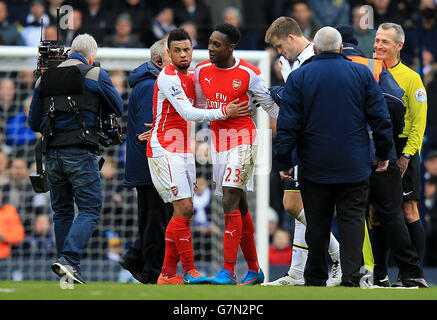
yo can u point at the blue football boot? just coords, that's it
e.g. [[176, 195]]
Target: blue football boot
[[223, 277], [253, 278]]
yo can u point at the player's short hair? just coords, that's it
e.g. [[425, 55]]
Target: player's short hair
[[281, 28], [328, 39], [233, 34], [85, 45], [399, 32], [178, 34]]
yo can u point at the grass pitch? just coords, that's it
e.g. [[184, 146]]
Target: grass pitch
[[43, 290]]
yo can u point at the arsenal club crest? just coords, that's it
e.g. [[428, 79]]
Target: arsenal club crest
[[175, 190], [236, 84]]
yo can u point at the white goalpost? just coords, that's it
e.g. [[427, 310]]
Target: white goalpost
[[120, 217]]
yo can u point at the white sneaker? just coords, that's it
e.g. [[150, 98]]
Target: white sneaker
[[335, 278], [286, 280]]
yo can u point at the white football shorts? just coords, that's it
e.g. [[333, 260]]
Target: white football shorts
[[234, 168], [173, 175]]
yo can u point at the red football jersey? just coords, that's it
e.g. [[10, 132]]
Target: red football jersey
[[216, 88], [170, 131]]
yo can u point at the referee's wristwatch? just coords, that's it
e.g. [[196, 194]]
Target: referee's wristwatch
[[407, 155]]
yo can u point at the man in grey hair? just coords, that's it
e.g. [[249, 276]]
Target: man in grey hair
[[144, 258], [325, 109], [65, 109]]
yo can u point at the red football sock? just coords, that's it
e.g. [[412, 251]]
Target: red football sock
[[184, 244], [231, 239], [247, 243], [171, 257]]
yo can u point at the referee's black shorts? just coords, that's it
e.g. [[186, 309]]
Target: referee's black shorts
[[411, 181]]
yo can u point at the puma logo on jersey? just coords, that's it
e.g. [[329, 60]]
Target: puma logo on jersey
[[185, 239], [230, 232], [208, 80]]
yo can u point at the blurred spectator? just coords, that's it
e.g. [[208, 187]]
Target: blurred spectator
[[8, 32], [257, 18], [202, 205], [26, 81], [330, 12], [18, 192], [280, 252], [162, 23], [51, 33], [123, 37], [203, 227], [17, 129], [431, 122], [304, 17], [7, 99], [431, 206], [386, 11], [39, 243], [429, 67], [217, 8], [139, 13], [70, 34], [31, 32], [197, 12], [4, 172], [273, 219], [94, 20], [118, 78], [364, 35], [275, 68], [233, 16], [11, 230], [191, 28], [113, 251], [3, 146], [51, 9], [430, 30]]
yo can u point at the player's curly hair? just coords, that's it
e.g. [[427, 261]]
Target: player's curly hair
[[178, 34], [233, 34]]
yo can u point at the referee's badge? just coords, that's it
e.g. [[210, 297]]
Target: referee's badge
[[420, 95]]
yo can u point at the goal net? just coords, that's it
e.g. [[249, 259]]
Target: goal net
[[30, 256]]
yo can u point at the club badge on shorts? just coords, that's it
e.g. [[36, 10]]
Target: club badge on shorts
[[236, 84], [174, 189]]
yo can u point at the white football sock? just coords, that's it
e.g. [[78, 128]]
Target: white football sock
[[334, 246]]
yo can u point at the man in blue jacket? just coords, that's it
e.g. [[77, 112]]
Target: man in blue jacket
[[324, 113], [66, 105], [388, 226], [144, 259]]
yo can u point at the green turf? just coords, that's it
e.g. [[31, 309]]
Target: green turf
[[42, 290]]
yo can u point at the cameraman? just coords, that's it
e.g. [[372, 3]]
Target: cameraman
[[66, 105]]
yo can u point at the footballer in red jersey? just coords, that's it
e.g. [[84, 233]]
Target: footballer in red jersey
[[220, 79]]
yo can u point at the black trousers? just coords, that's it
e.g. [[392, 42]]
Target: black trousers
[[149, 246], [320, 201], [386, 198]]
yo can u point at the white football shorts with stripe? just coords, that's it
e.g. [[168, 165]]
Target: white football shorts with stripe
[[173, 175], [234, 168]]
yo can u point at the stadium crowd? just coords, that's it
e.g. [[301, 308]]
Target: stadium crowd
[[138, 24]]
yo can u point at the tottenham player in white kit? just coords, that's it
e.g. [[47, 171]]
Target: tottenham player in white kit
[[286, 37], [170, 157]]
